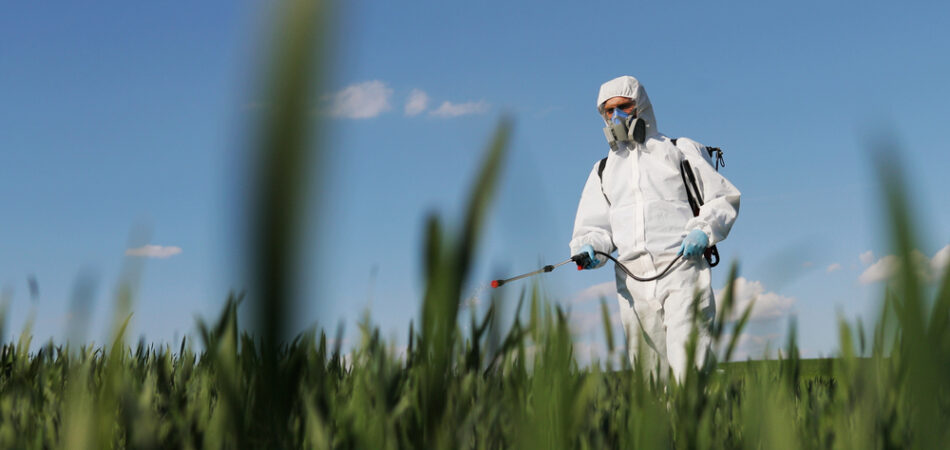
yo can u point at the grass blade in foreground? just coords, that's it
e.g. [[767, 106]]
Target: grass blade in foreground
[[284, 153]]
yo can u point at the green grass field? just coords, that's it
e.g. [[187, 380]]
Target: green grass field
[[810, 368], [491, 387], [474, 391]]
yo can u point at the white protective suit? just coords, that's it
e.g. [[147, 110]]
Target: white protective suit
[[645, 221]]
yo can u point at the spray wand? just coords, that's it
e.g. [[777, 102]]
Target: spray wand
[[582, 260], [545, 269]]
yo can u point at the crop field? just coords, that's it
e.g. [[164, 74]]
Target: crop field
[[492, 386], [487, 389]]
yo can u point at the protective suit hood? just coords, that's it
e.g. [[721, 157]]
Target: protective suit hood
[[630, 87]]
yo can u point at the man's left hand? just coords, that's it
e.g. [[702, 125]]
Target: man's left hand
[[694, 244]]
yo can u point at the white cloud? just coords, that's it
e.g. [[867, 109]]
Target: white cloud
[[940, 261], [833, 267], [768, 305], [883, 269], [887, 267], [606, 289], [807, 264], [449, 109], [361, 101], [866, 257], [153, 251], [418, 101]]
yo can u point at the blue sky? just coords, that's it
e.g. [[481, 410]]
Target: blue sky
[[124, 125]]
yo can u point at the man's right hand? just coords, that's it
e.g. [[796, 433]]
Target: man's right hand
[[590, 261]]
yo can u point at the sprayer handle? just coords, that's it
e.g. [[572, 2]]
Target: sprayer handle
[[582, 259]]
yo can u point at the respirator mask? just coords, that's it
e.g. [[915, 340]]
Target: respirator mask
[[623, 127]]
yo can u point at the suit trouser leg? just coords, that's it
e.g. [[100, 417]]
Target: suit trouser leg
[[688, 283], [642, 318]]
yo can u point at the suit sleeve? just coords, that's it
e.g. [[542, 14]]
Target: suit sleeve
[[592, 223], [721, 198]]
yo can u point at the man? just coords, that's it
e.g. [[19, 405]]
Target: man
[[638, 206]]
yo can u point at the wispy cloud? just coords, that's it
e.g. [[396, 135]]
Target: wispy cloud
[[833, 267], [153, 251], [866, 257], [417, 102], [361, 101], [449, 109], [768, 305], [928, 269], [807, 264], [371, 98]]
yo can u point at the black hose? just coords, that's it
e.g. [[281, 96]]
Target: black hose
[[631, 275]]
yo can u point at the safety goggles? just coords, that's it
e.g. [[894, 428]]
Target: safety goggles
[[609, 112]]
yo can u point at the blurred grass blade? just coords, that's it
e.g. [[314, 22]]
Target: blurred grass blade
[[608, 328], [284, 153], [447, 263]]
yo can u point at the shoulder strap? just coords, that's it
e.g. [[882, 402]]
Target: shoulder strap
[[600, 174], [693, 196]]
